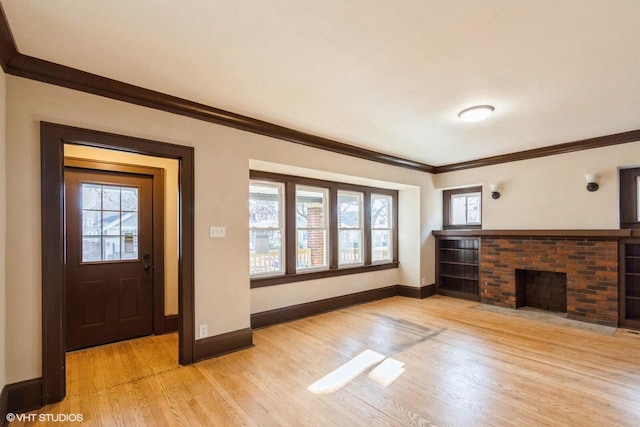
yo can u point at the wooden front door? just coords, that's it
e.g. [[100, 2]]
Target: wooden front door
[[109, 256]]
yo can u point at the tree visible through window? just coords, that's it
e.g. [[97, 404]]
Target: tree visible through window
[[462, 208], [381, 227], [350, 207]]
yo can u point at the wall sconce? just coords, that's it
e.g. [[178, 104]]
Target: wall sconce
[[495, 191], [592, 181]]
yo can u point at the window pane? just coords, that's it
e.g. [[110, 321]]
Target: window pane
[[129, 223], [116, 231], [265, 252], [350, 247], [465, 209], [473, 209], [110, 198], [349, 209], [91, 223], [458, 210], [380, 211], [91, 249], [129, 199], [129, 245], [264, 205], [312, 249], [111, 249], [91, 196], [381, 245], [311, 207], [111, 223]]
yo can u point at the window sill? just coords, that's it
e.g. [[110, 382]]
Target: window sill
[[260, 282]]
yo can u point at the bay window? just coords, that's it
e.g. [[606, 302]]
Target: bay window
[[302, 228]]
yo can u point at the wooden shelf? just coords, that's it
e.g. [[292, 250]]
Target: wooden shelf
[[457, 267], [459, 263], [629, 306]]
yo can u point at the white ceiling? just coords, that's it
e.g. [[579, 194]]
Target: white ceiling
[[385, 75]]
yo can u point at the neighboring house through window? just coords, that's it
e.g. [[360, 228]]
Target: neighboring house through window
[[302, 228]]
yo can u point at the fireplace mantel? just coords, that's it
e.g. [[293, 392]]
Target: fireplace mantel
[[608, 234], [589, 258]]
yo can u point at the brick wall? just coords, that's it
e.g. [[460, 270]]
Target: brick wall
[[315, 238], [591, 267]]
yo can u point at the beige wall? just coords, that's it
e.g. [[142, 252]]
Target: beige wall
[[550, 192], [3, 227], [539, 193], [170, 167], [223, 299]]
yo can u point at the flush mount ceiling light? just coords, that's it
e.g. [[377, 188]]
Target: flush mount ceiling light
[[477, 113]]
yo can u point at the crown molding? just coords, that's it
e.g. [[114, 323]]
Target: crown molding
[[568, 147], [7, 43], [17, 64]]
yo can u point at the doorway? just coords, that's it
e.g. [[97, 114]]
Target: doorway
[[53, 139], [114, 224]]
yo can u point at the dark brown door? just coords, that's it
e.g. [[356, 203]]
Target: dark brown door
[[109, 259]]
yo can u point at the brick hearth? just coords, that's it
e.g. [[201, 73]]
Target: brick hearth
[[591, 267]]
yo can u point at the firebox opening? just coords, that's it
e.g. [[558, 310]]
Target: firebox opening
[[546, 290]]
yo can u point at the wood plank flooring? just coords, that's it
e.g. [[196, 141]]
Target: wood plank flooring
[[462, 367]]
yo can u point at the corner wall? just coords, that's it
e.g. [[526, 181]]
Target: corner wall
[[223, 299], [550, 192]]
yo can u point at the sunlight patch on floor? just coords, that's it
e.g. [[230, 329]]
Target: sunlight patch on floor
[[384, 374]]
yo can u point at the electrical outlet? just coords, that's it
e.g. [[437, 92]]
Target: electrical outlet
[[217, 232], [424, 281], [204, 331]]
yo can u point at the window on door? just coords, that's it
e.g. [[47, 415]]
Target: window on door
[[109, 223]]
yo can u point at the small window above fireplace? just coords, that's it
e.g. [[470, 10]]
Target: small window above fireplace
[[462, 208], [630, 198]]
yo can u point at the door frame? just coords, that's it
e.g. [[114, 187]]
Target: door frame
[[157, 175], [52, 139]]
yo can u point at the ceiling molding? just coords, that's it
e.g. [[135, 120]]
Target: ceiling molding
[[15, 63], [29, 67], [7, 44], [568, 147]]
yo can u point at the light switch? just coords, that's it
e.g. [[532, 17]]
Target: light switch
[[217, 231]]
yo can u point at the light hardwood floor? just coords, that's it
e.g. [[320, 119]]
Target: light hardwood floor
[[462, 367]]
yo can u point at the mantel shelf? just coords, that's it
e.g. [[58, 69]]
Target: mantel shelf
[[613, 234]]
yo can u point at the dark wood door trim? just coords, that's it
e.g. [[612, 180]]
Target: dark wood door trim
[[52, 140], [158, 223]]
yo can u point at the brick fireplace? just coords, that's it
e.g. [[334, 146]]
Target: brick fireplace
[[590, 266]]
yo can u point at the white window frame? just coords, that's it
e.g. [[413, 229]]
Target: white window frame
[[362, 248], [466, 196], [390, 229], [325, 227], [281, 221]]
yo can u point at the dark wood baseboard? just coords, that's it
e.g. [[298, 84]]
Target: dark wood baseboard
[[413, 292], [299, 311], [21, 397], [170, 323], [222, 344]]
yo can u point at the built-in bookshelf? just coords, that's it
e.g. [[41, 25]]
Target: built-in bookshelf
[[630, 284], [457, 262]]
